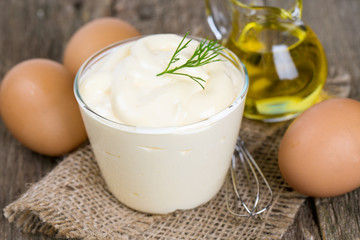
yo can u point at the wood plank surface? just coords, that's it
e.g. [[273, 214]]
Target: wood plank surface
[[40, 28]]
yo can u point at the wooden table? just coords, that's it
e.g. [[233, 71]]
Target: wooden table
[[37, 28]]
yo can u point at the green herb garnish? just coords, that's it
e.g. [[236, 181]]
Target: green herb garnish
[[205, 53]]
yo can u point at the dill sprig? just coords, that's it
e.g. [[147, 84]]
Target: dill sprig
[[205, 53]]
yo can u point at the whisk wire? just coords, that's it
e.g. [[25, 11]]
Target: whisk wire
[[247, 161]]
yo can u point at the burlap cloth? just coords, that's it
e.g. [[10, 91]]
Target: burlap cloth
[[72, 201]]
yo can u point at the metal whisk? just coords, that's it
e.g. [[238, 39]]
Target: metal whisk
[[256, 184]]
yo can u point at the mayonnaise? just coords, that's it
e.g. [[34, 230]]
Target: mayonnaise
[[162, 142], [125, 87]]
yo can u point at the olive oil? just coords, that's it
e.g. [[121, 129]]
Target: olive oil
[[286, 65]]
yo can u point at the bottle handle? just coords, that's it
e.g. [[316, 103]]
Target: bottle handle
[[218, 18], [296, 10]]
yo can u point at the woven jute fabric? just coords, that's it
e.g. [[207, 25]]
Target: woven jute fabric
[[72, 201]]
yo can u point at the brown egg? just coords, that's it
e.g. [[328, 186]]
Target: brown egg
[[39, 108], [319, 154], [94, 36]]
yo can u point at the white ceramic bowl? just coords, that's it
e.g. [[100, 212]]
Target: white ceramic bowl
[[160, 170]]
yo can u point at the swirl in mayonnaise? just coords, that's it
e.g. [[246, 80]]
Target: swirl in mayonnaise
[[124, 88]]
